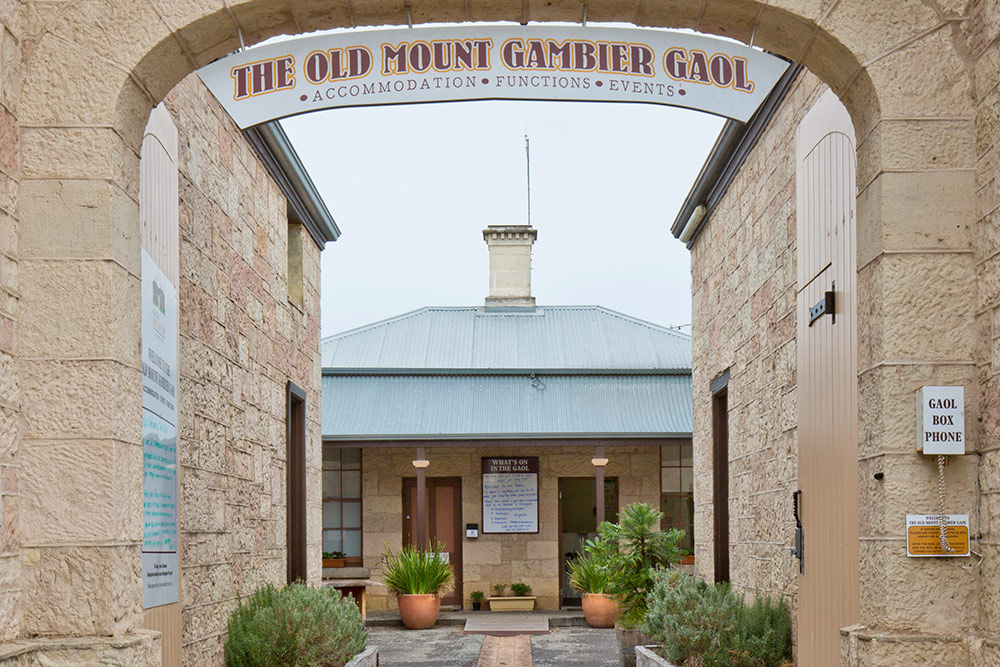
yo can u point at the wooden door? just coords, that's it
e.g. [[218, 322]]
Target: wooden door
[[827, 382], [444, 522]]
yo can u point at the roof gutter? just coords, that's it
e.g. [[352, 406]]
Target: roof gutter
[[548, 372], [730, 151], [271, 144]]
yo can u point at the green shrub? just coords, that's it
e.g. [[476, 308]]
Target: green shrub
[[763, 635], [416, 572], [712, 627], [477, 596], [297, 626], [499, 590], [520, 589], [632, 550], [589, 573]]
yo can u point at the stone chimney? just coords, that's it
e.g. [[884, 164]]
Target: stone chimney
[[510, 265]]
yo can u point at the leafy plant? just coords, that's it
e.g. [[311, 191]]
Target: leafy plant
[[632, 551], [520, 589], [499, 590], [710, 626], [589, 573], [333, 554], [297, 626], [477, 596], [416, 572]]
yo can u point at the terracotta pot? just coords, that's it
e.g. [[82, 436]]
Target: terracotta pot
[[601, 611], [419, 612]]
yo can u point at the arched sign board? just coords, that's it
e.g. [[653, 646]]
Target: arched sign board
[[556, 63]]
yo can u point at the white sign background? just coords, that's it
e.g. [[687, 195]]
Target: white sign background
[[941, 420], [510, 502], [376, 67], [160, 576]]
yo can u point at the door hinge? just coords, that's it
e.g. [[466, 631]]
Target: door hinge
[[827, 305], [799, 551]]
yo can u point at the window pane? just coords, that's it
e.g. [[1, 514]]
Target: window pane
[[687, 480], [688, 509], [331, 458], [673, 511], [352, 543], [351, 457], [686, 459], [670, 479], [331, 540], [352, 483], [670, 455], [331, 514], [331, 484], [352, 514]]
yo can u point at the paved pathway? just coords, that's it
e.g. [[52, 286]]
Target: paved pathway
[[512, 651], [448, 646]]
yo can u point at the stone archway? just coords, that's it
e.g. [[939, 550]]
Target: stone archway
[[91, 70]]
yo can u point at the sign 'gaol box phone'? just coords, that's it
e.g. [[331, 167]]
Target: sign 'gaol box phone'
[[941, 420]]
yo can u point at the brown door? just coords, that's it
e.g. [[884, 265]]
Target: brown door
[[827, 383], [444, 522]]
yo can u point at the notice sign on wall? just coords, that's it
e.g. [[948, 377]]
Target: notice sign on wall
[[510, 494], [572, 63], [941, 420], [160, 574], [923, 534]]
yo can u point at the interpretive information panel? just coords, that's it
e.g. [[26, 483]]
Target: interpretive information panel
[[510, 494], [923, 535], [564, 63], [160, 575]]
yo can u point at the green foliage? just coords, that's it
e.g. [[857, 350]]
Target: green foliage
[[520, 589], [632, 551], [589, 573], [416, 572], [297, 626], [712, 627], [477, 596], [499, 590], [333, 554]]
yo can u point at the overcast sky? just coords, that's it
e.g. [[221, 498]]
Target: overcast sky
[[412, 187]]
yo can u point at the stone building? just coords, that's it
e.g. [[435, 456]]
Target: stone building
[[597, 404], [78, 80]]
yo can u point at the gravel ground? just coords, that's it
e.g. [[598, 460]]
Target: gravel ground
[[448, 647], [579, 647]]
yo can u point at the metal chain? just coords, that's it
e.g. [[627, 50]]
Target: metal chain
[[942, 518]]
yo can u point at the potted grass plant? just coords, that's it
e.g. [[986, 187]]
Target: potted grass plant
[[418, 578], [477, 600], [588, 573]]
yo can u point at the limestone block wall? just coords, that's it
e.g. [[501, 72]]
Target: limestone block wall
[[241, 340], [493, 559], [743, 270], [985, 44], [10, 393]]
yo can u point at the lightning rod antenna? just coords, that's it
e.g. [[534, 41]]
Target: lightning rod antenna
[[527, 159]]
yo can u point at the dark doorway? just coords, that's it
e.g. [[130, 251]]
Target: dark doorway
[[295, 519], [578, 522], [720, 481], [444, 523]]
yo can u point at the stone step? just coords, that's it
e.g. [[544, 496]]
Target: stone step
[[507, 624]]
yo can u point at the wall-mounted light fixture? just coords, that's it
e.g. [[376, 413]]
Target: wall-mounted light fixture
[[421, 463], [599, 462]]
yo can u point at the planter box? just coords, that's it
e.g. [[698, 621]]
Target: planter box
[[367, 658], [511, 603], [333, 562], [645, 657]]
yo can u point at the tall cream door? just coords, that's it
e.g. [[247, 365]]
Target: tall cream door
[[158, 215], [827, 381]]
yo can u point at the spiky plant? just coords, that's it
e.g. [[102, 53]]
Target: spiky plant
[[415, 572]]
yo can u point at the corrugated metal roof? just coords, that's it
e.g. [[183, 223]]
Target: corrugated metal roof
[[471, 406], [550, 337]]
